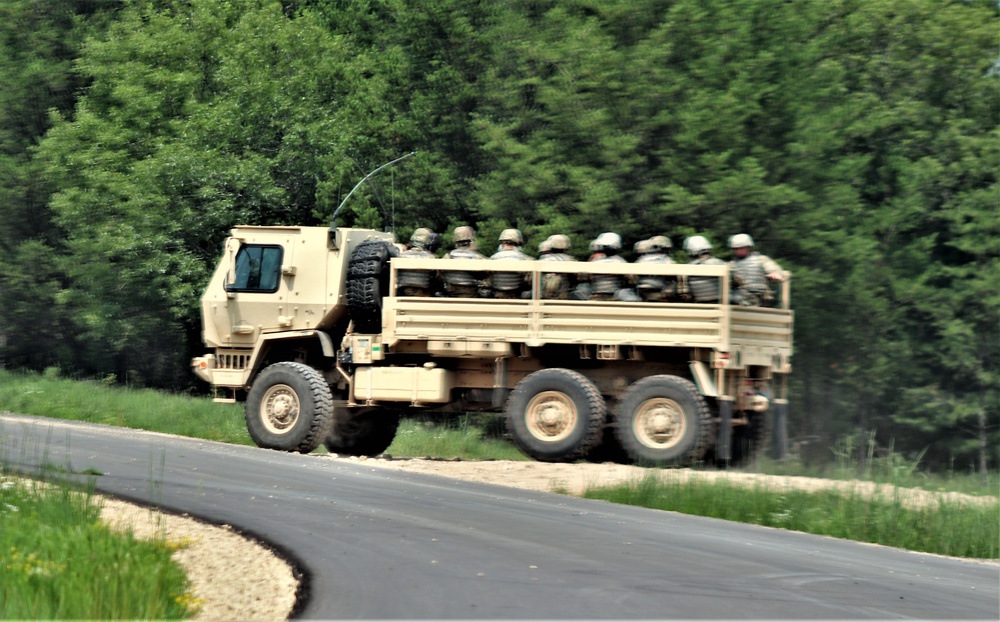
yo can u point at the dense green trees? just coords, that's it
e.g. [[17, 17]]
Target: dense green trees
[[39, 42], [857, 141]]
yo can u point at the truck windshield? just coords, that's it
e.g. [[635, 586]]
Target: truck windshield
[[257, 269]]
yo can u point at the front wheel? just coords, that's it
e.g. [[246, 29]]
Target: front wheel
[[664, 421], [555, 415], [289, 407]]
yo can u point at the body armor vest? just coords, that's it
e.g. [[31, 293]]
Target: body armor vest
[[461, 277], [509, 281], [556, 257], [555, 285], [656, 283], [705, 288], [415, 278], [750, 271], [607, 283]]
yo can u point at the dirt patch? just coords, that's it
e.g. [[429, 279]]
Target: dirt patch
[[574, 479]]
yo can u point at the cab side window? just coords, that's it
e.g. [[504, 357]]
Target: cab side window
[[258, 269]]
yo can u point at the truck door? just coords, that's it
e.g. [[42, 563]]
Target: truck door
[[256, 289]]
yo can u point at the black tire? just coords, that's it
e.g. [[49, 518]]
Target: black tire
[[367, 283], [750, 441], [362, 432], [555, 415], [663, 421], [289, 407], [609, 449]]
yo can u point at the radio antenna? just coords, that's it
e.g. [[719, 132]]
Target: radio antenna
[[333, 219]]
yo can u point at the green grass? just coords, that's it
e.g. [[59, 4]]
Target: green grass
[[81, 400], [49, 395], [883, 465], [945, 528], [889, 470], [461, 438], [57, 560]]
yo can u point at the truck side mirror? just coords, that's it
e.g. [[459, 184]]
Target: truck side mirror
[[232, 248]]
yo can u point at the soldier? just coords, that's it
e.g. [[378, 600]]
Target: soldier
[[461, 283], [703, 289], [655, 288], [609, 286], [416, 282], [751, 273], [555, 249], [509, 284], [555, 285], [595, 252]]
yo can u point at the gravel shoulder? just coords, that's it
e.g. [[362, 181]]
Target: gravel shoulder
[[232, 577], [236, 578], [574, 479]]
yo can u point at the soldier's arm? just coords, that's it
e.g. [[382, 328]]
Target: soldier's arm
[[772, 269]]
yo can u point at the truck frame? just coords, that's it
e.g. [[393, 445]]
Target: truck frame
[[306, 328]]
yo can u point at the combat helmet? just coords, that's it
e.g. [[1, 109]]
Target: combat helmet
[[697, 245], [560, 242], [741, 240], [422, 237], [511, 236], [609, 240], [464, 233], [660, 243]]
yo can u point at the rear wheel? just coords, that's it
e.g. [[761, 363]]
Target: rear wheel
[[608, 449], [662, 420], [362, 432], [750, 440], [289, 407], [555, 415]]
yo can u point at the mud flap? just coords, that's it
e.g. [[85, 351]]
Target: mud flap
[[779, 432], [723, 445]]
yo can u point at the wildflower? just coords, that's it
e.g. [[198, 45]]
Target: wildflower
[[189, 602], [176, 544], [781, 518]]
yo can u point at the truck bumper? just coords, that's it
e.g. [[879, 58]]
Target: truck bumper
[[202, 367]]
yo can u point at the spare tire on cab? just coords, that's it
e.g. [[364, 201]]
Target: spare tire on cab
[[367, 283]]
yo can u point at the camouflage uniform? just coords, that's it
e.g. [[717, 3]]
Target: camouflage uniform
[[606, 286], [750, 273], [654, 288], [462, 283], [416, 282], [705, 289], [555, 285], [509, 284]]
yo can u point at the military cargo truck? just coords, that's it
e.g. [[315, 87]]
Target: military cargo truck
[[305, 325]]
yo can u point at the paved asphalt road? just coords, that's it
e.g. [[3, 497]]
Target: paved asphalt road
[[390, 544]]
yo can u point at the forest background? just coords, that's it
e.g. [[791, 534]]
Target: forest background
[[857, 141]]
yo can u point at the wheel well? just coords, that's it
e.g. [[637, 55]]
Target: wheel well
[[308, 351]]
